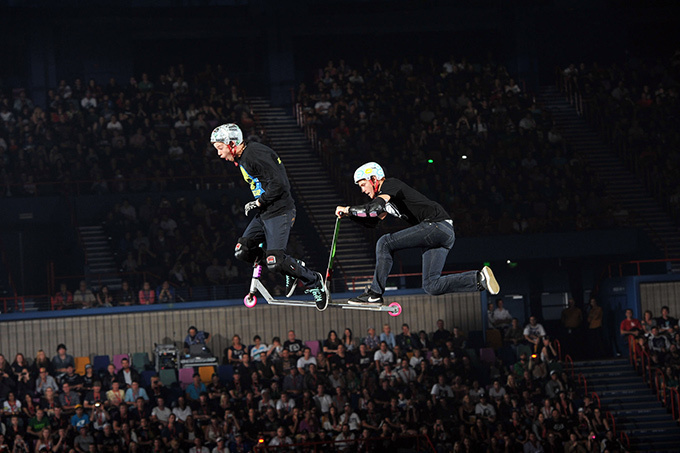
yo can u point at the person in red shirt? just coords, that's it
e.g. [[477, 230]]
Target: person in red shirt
[[630, 325]]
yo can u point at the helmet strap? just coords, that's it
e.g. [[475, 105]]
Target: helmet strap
[[375, 184]]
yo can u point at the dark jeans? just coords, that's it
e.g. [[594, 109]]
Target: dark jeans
[[274, 232], [436, 239]]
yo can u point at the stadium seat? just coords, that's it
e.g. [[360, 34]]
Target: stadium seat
[[524, 349], [168, 377], [226, 373], [507, 355], [140, 361], [100, 362], [475, 339], [206, 373], [494, 339], [80, 364], [118, 358], [146, 377], [486, 355], [185, 377], [314, 346]]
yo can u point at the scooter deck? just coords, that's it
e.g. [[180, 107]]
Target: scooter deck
[[393, 309]]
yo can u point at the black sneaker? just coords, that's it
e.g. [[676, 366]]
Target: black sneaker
[[319, 293], [367, 298], [292, 282], [487, 281]]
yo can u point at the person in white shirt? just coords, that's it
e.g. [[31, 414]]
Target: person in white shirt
[[383, 356], [280, 440], [350, 418], [306, 360], [501, 317], [441, 389], [533, 332], [322, 400]]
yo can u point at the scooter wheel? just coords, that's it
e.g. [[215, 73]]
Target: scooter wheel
[[396, 309], [250, 300]]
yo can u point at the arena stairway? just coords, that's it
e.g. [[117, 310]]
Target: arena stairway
[[101, 265], [316, 195], [634, 406], [625, 189]]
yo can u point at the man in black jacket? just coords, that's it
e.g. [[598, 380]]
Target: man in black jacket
[[264, 172], [431, 229]]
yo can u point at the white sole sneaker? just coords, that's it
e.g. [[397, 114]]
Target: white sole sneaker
[[490, 281]]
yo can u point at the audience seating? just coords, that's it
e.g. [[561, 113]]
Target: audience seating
[[80, 364], [100, 362]]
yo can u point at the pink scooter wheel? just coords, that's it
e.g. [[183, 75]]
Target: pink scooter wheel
[[250, 300]]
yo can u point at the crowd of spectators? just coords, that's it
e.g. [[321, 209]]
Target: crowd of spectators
[[636, 104], [467, 135], [143, 136], [372, 393], [660, 338]]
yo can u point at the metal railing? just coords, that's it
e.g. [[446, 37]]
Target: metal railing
[[422, 443], [583, 382], [675, 403], [660, 386], [570, 364], [609, 416]]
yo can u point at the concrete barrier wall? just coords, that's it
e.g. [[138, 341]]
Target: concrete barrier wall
[[117, 333]]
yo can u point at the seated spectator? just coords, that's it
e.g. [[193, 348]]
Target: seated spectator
[[501, 317], [45, 381], [371, 340], [631, 326], [146, 295], [306, 360], [330, 345], [648, 321], [388, 337], [195, 389], [63, 299], [62, 360], [406, 341], [533, 332], [127, 375], [667, 324], [134, 392], [165, 294], [83, 297], [658, 343]]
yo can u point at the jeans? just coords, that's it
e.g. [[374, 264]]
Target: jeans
[[436, 239], [274, 232]]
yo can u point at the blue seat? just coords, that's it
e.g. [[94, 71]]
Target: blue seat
[[146, 377], [226, 373], [100, 362]]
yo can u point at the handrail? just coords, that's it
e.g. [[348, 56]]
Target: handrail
[[597, 397], [559, 349], [609, 415], [675, 402], [568, 360], [626, 439], [660, 389], [324, 445], [645, 354], [632, 353], [637, 263], [581, 377]]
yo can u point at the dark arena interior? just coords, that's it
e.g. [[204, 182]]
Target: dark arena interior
[[140, 313]]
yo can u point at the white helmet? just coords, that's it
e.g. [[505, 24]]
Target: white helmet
[[227, 133], [367, 170]]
